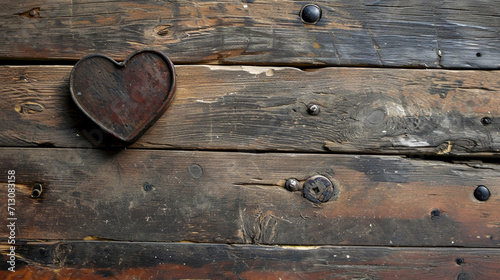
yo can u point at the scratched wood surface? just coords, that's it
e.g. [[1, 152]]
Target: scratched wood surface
[[174, 196], [265, 108], [430, 34], [84, 260], [201, 195]]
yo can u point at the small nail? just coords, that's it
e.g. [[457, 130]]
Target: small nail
[[435, 214], [293, 185], [486, 121], [313, 109], [147, 186]]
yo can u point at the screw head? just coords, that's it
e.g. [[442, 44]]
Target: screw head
[[313, 109], [459, 261], [486, 121], [33, 13], [482, 193], [293, 185], [318, 189], [310, 14]]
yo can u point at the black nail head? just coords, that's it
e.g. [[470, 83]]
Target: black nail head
[[435, 213], [310, 13], [482, 193], [486, 121], [147, 186], [459, 261]]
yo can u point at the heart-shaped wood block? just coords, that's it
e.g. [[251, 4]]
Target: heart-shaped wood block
[[125, 98]]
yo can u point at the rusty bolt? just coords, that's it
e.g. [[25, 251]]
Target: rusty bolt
[[37, 190], [318, 189], [293, 185], [313, 109]]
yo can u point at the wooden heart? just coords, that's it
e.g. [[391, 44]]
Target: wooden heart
[[125, 98]]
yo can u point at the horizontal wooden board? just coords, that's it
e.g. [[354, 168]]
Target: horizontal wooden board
[[118, 260], [155, 195], [263, 108], [451, 34]]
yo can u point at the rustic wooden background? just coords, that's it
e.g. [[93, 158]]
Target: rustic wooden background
[[403, 87]]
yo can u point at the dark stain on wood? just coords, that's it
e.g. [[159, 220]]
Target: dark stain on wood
[[241, 198], [125, 260]]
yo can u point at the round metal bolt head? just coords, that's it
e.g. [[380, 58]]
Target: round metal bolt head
[[293, 185], [318, 189], [486, 121], [313, 109], [482, 193], [310, 14], [33, 13]]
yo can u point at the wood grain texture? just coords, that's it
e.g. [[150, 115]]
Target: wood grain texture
[[264, 108], [125, 260], [431, 34], [143, 195]]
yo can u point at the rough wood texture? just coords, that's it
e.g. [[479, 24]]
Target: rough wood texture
[[428, 33], [142, 195], [117, 260], [262, 108]]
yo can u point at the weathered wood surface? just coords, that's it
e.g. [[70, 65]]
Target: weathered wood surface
[[431, 34], [123, 260], [262, 108], [144, 195]]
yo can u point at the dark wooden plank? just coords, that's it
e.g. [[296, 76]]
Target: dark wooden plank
[[118, 260], [143, 195], [262, 108], [433, 34]]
